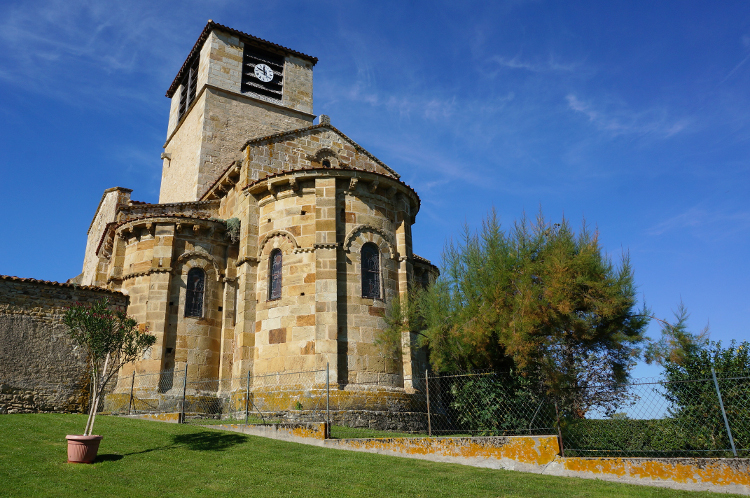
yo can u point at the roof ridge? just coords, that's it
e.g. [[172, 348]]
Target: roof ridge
[[358, 147], [292, 171], [60, 284]]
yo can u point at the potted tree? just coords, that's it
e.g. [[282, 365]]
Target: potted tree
[[111, 339]]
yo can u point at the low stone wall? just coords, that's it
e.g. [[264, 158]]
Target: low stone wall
[[41, 370], [535, 454], [539, 455], [724, 475], [508, 452], [287, 432]]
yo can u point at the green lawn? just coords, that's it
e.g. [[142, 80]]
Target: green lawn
[[144, 458]]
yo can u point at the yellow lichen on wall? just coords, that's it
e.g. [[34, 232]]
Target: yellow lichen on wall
[[538, 450], [719, 472]]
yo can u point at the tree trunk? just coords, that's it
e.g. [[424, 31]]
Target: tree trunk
[[99, 388]]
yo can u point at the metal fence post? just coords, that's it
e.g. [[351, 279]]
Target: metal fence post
[[723, 412], [328, 402], [559, 431], [247, 398], [427, 385], [184, 388], [130, 401]]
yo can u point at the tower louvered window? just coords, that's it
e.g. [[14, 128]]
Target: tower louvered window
[[189, 84], [274, 279], [196, 280], [370, 271], [270, 67]]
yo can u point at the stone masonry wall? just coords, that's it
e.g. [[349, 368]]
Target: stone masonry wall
[[285, 339], [41, 370], [179, 175], [307, 149], [231, 120], [112, 199]]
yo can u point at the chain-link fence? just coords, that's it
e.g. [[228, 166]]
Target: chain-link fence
[[273, 398], [699, 417], [644, 418], [485, 404]]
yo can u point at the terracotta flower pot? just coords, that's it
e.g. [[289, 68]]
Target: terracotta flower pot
[[82, 449]]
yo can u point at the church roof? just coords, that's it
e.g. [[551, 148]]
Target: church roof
[[357, 147], [210, 26], [60, 284], [308, 170]]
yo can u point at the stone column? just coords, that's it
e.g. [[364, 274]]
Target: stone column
[[228, 318], [157, 309], [326, 290], [405, 272], [247, 272]]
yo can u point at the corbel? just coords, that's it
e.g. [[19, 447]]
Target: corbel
[[353, 184], [374, 186], [249, 259], [125, 233], [293, 183], [391, 192]]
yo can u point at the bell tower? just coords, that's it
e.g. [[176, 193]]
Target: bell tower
[[232, 87]]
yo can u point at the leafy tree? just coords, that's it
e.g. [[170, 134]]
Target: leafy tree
[[110, 338], [689, 386], [538, 299], [499, 404]]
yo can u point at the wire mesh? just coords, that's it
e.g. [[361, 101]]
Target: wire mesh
[[654, 418], [644, 418], [485, 404], [293, 396]]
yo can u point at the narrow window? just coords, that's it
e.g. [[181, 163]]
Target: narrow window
[[196, 280], [370, 271], [189, 83], [274, 275]]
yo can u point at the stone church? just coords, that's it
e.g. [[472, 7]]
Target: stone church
[[278, 242]]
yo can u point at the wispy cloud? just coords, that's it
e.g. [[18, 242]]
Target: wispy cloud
[[552, 64], [623, 121], [746, 44], [700, 217], [59, 48]]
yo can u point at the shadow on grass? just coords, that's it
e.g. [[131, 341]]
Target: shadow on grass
[[109, 457], [208, 441], [200, 441]]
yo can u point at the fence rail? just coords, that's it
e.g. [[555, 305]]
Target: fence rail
[[646, 417]]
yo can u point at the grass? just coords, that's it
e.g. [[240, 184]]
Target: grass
[[144, 458]]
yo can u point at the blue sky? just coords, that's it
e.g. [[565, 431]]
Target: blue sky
[[632, 115]]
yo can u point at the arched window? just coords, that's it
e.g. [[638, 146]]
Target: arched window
[[196, 281], [274, 275], [370, 271]]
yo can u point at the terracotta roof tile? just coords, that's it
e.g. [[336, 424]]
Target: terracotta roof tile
[[423, 260], [218, 179], [60, 284], [117, 224], [286, 172]]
